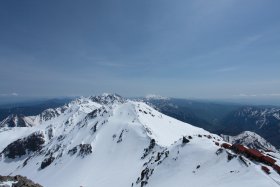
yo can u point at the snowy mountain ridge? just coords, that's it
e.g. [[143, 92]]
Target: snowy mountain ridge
[[111, 141]]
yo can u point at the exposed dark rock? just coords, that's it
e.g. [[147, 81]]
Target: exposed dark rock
[[166, 153], [73, 151], [120, 137], [93, 114], [145, 175], [20, 181], [149, 149], [158, 156], [185, 140], [46, 162], [144, 183], [161, 156], [84, 150], [94, 128], [25, 162], [20, 147]]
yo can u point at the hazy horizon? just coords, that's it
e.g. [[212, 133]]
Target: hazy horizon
[[225, 49], [19, 100]]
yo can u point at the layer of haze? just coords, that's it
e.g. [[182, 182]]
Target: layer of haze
[[188, 49]]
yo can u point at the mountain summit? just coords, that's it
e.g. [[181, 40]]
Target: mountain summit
[[111, 141]]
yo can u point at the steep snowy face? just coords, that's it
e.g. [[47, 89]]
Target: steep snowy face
[[110, 141], [251, 140]]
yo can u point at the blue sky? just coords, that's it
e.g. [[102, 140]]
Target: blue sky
[[188, 49]]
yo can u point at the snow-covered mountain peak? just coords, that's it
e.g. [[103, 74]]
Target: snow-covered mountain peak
[[251, 140], [107, 98], [110, 141]]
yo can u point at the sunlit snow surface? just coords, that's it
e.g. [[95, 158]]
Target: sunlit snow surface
[[118, 131]]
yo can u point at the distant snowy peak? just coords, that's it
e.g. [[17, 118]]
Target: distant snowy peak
[[17, 121], [155, 97], [251, 140]]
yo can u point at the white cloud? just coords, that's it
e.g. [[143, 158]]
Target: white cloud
[[14, 94]]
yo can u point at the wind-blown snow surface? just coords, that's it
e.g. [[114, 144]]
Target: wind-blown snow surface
[[109, 141]]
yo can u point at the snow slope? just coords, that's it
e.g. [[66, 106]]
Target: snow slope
[[110, 141]]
